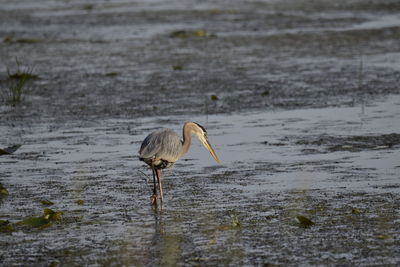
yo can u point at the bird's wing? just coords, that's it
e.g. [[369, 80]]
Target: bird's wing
[[164, 144]]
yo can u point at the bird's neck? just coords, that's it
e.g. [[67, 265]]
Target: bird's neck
[[187, 138]]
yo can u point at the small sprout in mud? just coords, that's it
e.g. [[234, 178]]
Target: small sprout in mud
[[9, 150], [304, 221], [214, 98], [3, 191], [46, 202], [177, 67], [265, 93], [6, 227], [235, 221], [80, 202], [355, 211], [381, 236]]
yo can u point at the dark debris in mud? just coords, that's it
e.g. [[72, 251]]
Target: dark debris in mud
[[9, 150]]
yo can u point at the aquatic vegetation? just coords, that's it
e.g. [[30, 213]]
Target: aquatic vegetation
[[46, 202], [6, 226], [235, 221], [36, 222], [111, 74], [52, 215], [304, 221], [46, 219], [188, 33], [381, 236], [233, 224], [214, 98], [20, 73], [355, 211], [3, 191], [14, 92], [80, 202]]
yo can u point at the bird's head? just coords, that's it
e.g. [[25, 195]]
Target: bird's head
[[201, 134]]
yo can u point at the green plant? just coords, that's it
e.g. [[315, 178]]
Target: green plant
[[18, 80], [15, 92]]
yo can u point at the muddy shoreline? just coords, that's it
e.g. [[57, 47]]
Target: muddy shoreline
[[300, 99]]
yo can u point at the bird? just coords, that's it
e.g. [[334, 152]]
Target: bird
[[162, 148]]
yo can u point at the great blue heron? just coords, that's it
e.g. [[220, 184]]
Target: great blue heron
[[162, 148]]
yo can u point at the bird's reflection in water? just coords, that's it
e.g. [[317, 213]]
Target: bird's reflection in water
[[165, 248]]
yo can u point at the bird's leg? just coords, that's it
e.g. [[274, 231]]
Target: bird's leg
[[153, 198], [154, 182], [158, 173]]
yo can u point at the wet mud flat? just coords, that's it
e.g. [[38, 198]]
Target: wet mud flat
[[132, 58], [299, 99], [337, 167]]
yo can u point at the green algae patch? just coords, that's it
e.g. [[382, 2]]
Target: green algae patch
[[52, 215], [3, 191], [36, 222], [6, 226], [46, 220], [46, 202]]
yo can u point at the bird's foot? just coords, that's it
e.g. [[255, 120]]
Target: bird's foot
[[153, 199]]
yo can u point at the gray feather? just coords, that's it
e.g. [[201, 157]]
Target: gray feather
[[164, 144]]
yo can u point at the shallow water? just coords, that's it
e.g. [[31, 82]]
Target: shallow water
[[306, 123], [271, 171]]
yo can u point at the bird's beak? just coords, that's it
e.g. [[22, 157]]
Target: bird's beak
[[210, 149]]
